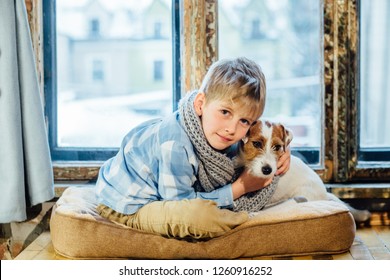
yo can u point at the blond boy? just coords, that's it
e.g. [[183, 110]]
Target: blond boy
[[173, 176]]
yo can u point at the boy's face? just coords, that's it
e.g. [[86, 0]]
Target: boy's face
[[224, 123]]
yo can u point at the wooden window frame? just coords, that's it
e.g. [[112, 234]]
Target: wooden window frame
[[199, 50]]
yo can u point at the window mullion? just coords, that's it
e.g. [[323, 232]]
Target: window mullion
[[340, 51], [199, 41]]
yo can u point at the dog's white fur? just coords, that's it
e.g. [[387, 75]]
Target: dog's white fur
[[260, 153]]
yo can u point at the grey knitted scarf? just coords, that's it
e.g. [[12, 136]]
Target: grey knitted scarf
[[215, 168]]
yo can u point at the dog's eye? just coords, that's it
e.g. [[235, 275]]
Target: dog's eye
[[257, 144], [277, 147]]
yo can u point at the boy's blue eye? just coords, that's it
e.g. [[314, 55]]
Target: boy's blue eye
[[246, 122]]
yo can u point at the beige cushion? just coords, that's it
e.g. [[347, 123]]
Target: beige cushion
[[288, 229]]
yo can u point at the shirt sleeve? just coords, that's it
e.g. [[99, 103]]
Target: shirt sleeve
[[178, 167]]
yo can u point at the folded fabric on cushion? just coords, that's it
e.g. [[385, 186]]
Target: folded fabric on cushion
[[195, 218], [288, 229]]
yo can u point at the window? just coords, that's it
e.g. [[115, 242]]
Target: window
[[256, 31], [287, 46], [97, 70], [158, 30], [320, 74], [158, 70], [374, 81], [94, 27], [99, 83]]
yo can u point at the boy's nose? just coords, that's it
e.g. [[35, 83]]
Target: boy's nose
[[231, 128]]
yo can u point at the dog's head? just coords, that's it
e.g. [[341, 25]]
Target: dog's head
[[263, 146]]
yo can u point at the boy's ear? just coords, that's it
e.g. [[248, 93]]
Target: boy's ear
[[200, 100]]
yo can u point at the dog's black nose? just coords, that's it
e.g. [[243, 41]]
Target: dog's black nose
[[266, 170]]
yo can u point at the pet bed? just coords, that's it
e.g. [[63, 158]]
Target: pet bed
[[287, 229]]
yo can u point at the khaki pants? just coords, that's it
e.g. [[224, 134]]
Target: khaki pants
[[194, 218]]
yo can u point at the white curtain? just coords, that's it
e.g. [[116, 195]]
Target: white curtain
[[26, 177]]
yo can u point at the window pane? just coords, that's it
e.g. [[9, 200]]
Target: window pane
[[284, 38], [375, 74], [114, 68]]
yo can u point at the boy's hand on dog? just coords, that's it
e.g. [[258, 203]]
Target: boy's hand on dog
[[284, 162], [248, 183]]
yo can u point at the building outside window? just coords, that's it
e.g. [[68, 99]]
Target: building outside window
[[104, 86]]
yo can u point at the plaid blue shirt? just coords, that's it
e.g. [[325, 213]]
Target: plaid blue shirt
[[156, 161]]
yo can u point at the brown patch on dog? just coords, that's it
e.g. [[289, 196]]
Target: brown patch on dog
[[281, 136], [255, 142]]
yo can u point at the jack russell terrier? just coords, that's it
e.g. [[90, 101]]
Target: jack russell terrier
[[260, 152]]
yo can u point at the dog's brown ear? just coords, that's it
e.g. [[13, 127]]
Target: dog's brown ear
[[253, 130], [288, 136]]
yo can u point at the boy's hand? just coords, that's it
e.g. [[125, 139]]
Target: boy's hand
[[248, 183], [284, 162]]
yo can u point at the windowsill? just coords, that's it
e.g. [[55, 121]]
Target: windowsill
[[360, 190], [373, 164], [60, 163], [60, 187], [67, 171]]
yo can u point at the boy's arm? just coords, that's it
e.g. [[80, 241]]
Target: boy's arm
[[178, 167], [177, 174]]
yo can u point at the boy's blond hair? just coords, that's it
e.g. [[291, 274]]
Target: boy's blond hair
[[239, 80]]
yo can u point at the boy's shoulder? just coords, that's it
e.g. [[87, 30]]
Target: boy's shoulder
[[171, 129], [158, 131]]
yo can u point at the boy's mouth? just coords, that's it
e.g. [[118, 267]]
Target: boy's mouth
[[225, 139]]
